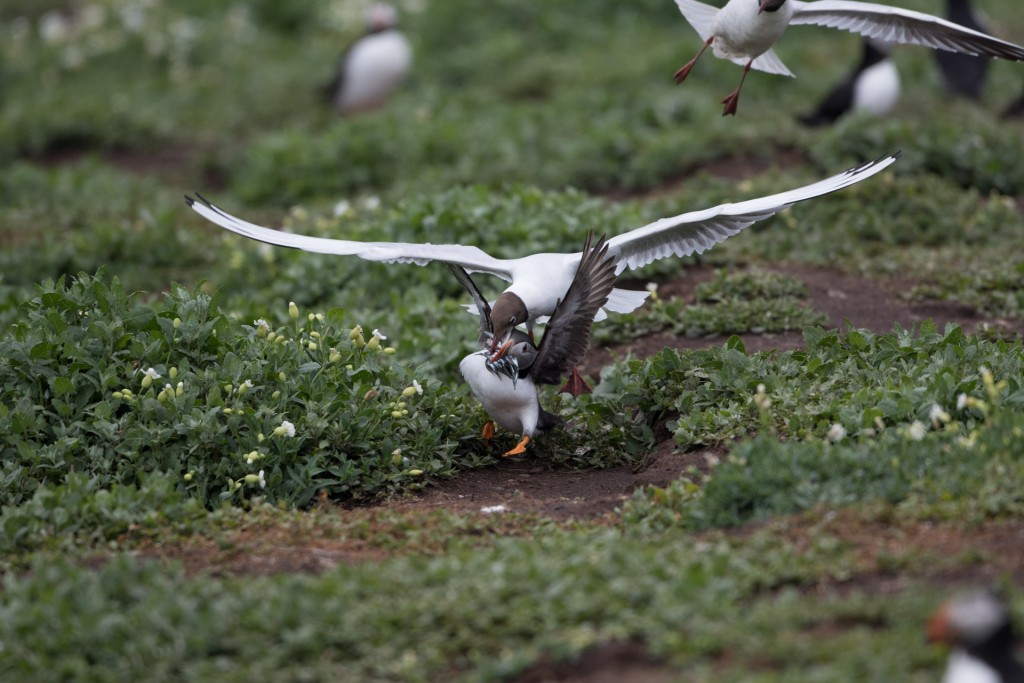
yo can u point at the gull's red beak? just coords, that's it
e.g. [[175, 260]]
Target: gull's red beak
[[501, 352], [760, 6]]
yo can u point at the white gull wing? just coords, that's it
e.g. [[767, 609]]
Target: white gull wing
[[472, 259], [896, 25], [769, 62], [697, 231], [700, 15]]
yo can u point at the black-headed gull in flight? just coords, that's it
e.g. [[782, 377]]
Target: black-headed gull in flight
[[505, 382], [539, 281], [744, 32], [978, 628], [373, 65]]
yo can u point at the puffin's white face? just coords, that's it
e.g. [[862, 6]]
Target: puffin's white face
[[968, 620], [381, 16], [976, 617]]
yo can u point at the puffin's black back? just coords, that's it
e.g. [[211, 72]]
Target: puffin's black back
[[963, 74], [997, 652], [840, 100]]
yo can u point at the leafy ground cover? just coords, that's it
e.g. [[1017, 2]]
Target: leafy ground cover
[[773, 481]]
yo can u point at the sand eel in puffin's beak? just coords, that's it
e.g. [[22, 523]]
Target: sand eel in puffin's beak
[[540, 281], [873, 87], [744, 32], [372, 66], [978, 628], [505, 381]]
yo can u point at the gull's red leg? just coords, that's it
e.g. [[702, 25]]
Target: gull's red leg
[[688, 67]]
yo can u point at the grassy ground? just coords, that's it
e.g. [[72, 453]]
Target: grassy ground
[[199, 483]]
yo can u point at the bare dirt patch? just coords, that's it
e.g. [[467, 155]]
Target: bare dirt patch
[[533, 486], [614, 662]]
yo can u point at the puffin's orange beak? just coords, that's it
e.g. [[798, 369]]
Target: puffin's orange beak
[[938, 626], [501, 352]]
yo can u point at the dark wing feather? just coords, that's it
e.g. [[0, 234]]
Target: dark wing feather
[[486, 328], [568, 331]]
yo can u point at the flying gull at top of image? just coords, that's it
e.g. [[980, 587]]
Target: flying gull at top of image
[[505, 382], [744, 32], [373, 65], [540, 281], [873, 87]]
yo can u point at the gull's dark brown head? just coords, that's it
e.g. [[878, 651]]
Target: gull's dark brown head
[[769, 5], [507, 312]]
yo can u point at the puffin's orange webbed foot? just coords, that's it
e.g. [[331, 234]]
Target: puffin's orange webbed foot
[[520, 447], [575, 385]]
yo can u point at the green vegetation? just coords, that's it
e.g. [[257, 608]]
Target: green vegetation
[[168, 421]]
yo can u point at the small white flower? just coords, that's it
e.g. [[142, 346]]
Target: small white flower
[[263, 482], [378, 335], [262, 327], [493, 509], [916, 430], [53, 27], [836, 433], [341, 208], [418, 387], [286, 429], [371, 203], [938, 416], [152, 374], [961, 401]]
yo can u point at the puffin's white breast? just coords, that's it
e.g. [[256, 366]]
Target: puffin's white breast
[[373, 67], [877, 88], [515, 408], [963, 668]]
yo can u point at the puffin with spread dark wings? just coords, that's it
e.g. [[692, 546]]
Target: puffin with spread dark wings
[[506, 381]]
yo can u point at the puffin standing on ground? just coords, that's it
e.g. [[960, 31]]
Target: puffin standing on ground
[[744, 31], [506, 382], [978, 628], [963, 74], [540, 281], [873, 87], [372, 66]]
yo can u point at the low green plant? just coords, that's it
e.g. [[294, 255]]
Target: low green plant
[[959, 461], [96, 382]]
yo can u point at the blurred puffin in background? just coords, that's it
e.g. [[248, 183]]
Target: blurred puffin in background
[[978, 628], [963, 74], [372, 66], [872, 87]]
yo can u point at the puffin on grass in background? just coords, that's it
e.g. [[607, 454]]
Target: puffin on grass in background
[[744, 32], [506, 382], [372, 66], [978, 628], [963, 74], [873, 87], [540, 281]]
